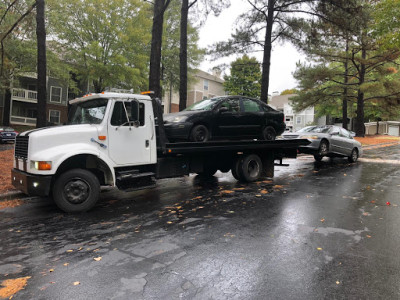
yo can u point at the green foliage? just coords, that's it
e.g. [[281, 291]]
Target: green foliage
[[19, 47], [289, 92], [245, 78], [170, 50], [387, 23], [106, 42]]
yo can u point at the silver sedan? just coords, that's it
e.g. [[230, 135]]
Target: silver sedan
[[327, 140]]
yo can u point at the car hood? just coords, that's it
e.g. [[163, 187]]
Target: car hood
[[186, 113]]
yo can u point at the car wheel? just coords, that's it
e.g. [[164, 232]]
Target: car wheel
[[269, 133], [317, 157], [323, 148], [353, 156], [199, 133], [76, 190], [250, 168]]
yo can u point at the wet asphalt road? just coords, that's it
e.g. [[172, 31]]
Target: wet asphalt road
[[316, 231]]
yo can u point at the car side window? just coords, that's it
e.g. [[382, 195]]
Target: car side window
[[232, 105], [335, 131], [250, 105], [119, 116], [345, 133]]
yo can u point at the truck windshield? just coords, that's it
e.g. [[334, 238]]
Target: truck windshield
[[89, 112]]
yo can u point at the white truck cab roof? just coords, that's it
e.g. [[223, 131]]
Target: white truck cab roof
[[109, 95]]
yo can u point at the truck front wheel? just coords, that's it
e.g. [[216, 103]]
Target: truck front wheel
[[76, 190]]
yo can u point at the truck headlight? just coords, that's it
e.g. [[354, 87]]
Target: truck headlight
[[309, 137], [41, 165]]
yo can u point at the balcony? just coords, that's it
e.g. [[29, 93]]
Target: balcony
[[289, 123], [24, 95]]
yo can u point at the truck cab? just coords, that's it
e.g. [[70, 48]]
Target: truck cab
[[106, 133]]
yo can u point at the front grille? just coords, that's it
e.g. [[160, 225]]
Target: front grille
[[21, 146], [290, 136]]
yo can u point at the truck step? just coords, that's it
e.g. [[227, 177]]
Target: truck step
[[122, 175], [136, 181]]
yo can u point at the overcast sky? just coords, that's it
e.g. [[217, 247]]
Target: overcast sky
[[284, 57]]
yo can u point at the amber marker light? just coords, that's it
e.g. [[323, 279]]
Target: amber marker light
[[43, 165], [102, 137]]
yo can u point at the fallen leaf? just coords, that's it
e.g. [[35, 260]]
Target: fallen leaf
[[373, 201], [227, 192], [66, 264], [278, 186], [388, 203], [337, 282], [264, 192], [169, 222], [368, 236], [319, 249], [69, 251], [12, 286], [258, 195], [51, 270], [97, 258], [77, 283], [322, 220], [344, 174]]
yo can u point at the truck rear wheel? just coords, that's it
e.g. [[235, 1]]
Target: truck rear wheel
[[250, 168], [76, 190]]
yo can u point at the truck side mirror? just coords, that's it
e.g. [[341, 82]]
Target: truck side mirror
[[135, 108]]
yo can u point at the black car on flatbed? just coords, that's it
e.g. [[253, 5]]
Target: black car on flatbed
[[227, 117]]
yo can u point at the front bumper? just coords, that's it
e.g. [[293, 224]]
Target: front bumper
[[33, 185], [178, 130]]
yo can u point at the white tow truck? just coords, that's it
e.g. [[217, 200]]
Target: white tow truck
[[113, 139]]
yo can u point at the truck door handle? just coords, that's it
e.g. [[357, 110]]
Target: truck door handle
[[147, 143]]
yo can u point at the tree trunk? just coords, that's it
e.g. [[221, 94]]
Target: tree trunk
[[267, 52], [7, 105], [360, 128], [156, 42], [183, 56], [346, 80], [41, 120]]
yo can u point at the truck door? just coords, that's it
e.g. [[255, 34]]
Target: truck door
[[129, 139]]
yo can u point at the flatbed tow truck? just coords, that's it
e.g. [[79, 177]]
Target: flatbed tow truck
[[113, 140]]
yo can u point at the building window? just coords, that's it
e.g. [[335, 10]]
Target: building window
[[298, 120], [55, 94], [54, 116], [205, 84]]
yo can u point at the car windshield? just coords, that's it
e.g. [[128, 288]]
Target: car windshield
[[206, 104], [316, 129], [88, 112]]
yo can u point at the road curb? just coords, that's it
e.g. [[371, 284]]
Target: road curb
[[12, 195]]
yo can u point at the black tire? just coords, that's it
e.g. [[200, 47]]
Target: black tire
[[353, 156], [235, 169], [317, 157], [323, 148], [250, 168], [76, 190], [268, 133], [199, 133]]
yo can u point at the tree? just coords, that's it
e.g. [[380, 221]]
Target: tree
[[261, 18], [17, 46], [41, 120], [387, 23], [207, 5], [289, 92], [105, 42], [349, 64], [171, 49], [156, 41], [245, 77]]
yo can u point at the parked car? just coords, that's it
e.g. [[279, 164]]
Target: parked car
[[327, 140], [227, 117], [7, 134]]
